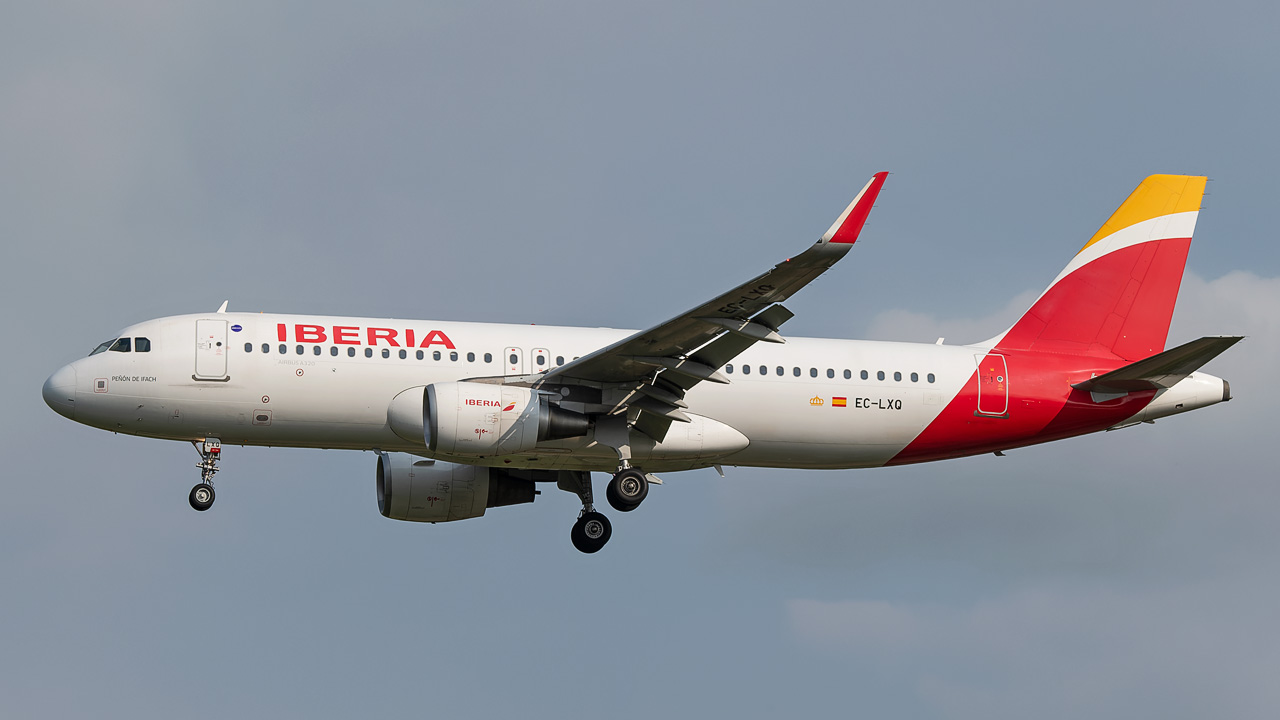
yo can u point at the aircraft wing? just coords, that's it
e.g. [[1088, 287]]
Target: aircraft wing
[[656, 366], [1162, 370]]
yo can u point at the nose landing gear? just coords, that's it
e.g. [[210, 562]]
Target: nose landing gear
[[202, 495]]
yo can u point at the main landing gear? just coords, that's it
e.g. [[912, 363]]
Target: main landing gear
[[628, 488], [625, 491], [592, 530], [202, 495]]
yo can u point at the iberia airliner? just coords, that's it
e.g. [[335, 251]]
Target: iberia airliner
[[469, 416]]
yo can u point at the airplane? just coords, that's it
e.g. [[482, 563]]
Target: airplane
[[465, 416]]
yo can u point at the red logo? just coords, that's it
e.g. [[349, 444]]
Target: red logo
[[509, 407], [352, 335]]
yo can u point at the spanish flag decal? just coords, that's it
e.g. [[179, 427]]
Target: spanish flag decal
[[839, 402]]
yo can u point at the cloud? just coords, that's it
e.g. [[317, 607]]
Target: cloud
[[1121, 575], [910, 326]]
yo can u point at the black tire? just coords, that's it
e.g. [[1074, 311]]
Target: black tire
[[627, 490], [591, 532], [201, 497], [616, 502]]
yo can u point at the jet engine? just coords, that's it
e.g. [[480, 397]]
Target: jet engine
[[480, 419], [420, 490]]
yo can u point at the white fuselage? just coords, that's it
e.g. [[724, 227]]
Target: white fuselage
[[327, 382], [335, 395]]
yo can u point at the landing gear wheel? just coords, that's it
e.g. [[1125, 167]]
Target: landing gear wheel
[[627, 490], [201, 497], [591, 532]]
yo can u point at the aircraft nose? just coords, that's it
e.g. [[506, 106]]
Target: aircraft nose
[[60, 392]]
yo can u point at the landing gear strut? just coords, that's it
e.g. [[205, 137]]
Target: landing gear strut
[[202, 495], [628, 488], [592, 530]]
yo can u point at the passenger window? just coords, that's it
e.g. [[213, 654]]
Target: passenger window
[[386, 352], [368, 352], [915, 377], [315, 350], [420, 355], [897, 377], [863, 375], [514, 359], [453, 356], [848, 375], [831, 373], [559, 360], [879, 374], [404, 354], [351, 352], [764, 370], [929, 377], [813, 372], [729, 368], [795, 371], [488, 357], [333, 351], [121, 345], [746, 369], [471, 357], [144, 345], [781, 371], [248, 347], [266, 348], [283, 348], [300, 349], [435, 355], [542, 360]]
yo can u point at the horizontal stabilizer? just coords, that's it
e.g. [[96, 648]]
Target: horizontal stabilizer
[[1162, 370]]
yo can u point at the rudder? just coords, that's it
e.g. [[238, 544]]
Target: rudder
[[1116, 296]]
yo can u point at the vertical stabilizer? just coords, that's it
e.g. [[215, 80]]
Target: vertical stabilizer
[[1116, 297]]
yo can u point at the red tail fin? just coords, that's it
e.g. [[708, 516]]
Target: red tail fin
[[1116, 297]]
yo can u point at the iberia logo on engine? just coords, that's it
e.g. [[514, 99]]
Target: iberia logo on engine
[[483, 403]]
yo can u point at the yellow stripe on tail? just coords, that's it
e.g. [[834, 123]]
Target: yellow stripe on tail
[[1157, 195]]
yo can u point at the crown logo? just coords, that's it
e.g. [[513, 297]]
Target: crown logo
[[815, 401]]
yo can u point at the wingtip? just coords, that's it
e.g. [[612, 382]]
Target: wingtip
[[848, 226]]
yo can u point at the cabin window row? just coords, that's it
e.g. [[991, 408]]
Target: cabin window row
[[781, 371], [436, 355]]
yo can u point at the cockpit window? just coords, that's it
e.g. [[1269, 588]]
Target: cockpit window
[[121, 345], [102, 348], [141, 345]]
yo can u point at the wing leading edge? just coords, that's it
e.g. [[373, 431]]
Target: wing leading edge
[[652, 369]]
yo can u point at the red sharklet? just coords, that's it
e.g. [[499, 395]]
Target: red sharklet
[[856, 216]]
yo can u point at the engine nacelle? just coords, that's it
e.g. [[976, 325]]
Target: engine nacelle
[[420, 490], [480, 419]]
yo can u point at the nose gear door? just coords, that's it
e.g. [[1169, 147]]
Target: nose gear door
[[211, 349]]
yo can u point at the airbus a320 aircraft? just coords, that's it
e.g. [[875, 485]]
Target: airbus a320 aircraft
[[470, 416]]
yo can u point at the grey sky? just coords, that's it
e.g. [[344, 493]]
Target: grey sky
[[576, 163]]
